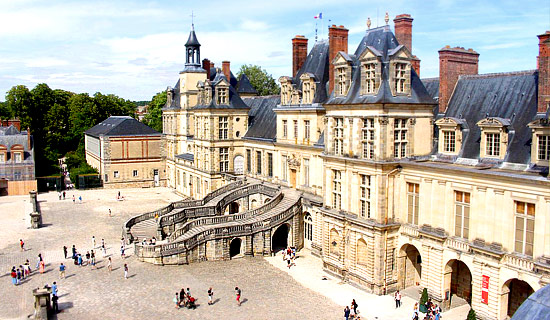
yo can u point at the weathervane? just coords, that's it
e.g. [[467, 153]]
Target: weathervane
[[192, 20], [368, 23], [387, 18]]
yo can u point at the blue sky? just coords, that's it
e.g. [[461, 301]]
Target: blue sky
[[136, 48]]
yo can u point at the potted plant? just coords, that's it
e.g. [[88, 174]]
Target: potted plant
[[471, 315], [423, 300]]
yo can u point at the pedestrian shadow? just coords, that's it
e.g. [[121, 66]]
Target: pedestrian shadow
[[64, 295], [46, 225], [131, 276], [64, 306], [215, 301], [244, 300], [114, 269], [71, 275], [97, 268]]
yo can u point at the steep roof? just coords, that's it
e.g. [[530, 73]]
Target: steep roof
[[174, 102], [317, 64], [235, 101], [262, 121], [192, 40], [382, 42], [244, 85], [121, 126], [432, 85], [536, 306]]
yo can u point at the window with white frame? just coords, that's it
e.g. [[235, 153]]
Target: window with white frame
[[223, 127], [342, 81], [412, 202], [306, 172], [369, 72], [400, 77], [365, 196], [285, 129], [543, 152], [17, 156], [307, 95], [337, 189], [222, 95], [400, 138], [306, 130], [525, 227], [284, 167], [224, 159], [462, 214], [339, 136], [368, 138], [449, 141], [295, 129], [492, 144]]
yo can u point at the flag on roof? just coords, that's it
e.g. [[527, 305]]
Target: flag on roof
[[319, 16]]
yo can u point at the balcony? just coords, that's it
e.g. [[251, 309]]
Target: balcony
[[515, 261], [457, 244], [409, 230]]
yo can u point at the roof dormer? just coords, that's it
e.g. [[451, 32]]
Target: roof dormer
[[222, 91], [286, 90], [494, 137], [308, 87], [400, 71], [450, 135], [342, 73], [540, 148], [371, 71]]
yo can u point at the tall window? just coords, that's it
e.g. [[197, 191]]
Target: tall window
[[365, 196], [370, 75], [339, 136], [270, 164], [295, 129], [307, 93], [224, 159], [362, 253], [306, 130], [525, 227], [492, 146], [223, 127], [342, 87], [248, 160], [412, 201], [337, 189], [449, 141], [222, 95], [306, 172], [543, 147], [308, 227], [205, 127], [258, 162], [400, 77], [285, 129], [368, 138], [284, 167], [17, 157], [400, 138], [462, 214], [334, 241]]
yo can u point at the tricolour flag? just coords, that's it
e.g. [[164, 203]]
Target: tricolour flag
[[320, 16]]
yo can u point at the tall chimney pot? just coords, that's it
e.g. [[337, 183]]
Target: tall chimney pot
[[337, 41]]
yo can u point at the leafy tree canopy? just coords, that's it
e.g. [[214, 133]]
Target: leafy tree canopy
[[153, 118], [262, 81]]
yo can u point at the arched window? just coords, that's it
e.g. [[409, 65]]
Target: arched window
[[334, 242], [308, 227], [362, 255]]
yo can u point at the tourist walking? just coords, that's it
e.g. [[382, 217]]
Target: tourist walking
[[22, 244], [87, 257], [65, 251], [125, 271], [354, 306], [93, 242], [79, 260], [40, 263], [63, 195], [176, 300], [110, 213], [80, 199], [92, 255], [122, 255], [74, 251], [61, 271], [346, 313], [397, 299], [28, 267], [238, 294], [110, 265], [54, 288], [210, 294], [74, 201], [13, 276], [18, 273]]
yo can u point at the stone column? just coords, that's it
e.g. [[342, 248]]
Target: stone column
[[267, 242]]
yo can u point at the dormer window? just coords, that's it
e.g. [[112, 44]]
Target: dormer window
[[342, 81], [492, 144], [543, 152], [286, 90], [494, 137], [221, 95], [342, 73], [449, 141], [540, 148], [308, 88], [400, 71], [450, 135], [369, 70], [207, 95], [295, 97], [400, 77]]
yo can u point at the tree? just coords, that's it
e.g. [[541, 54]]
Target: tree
[[4, 111], [18, 101], [153, 118], [471, 315], [260, 80]]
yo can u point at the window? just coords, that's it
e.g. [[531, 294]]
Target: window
[[205, 127], [525, 227], [116, 174], [185, 180], [337, 189], [370, 76], [198, 185], [362, 253], [270, 164], [222, 95], [306, 130], [258, 162], [248, 160], [17, 175], [492, 146], [223, 125], [308, 227], [365, 196], [400, 77], [400, 138], [342, 81], [178, 175], [339, 136], [412, 202], [306, 172], [543, 147], [295, 129], [334, 240], [284, 167], [285, 129], [449, 141], [368, 138], [224, 159], [307, 96], [135, 174], [2, 157], [462, 214], [17, 157]]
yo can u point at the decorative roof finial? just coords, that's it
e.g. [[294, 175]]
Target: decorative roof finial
[[368, 23], [387, 18], [192, 21]]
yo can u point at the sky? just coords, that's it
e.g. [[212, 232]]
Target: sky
[[135, 49]]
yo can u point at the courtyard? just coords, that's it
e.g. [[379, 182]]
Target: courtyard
[[270, 290]]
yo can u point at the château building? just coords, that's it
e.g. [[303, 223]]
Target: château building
[[439, 183]]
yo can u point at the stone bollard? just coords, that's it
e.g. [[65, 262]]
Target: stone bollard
[[36, 216], [41, 303]]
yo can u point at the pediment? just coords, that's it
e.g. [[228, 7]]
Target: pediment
[[539, 123], [448, 122], [341, 58], [493, 122], [370, 53], [401, 52]]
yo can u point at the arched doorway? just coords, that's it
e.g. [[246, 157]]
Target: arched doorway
[[279, 240], [458, 281], [410, 266], [514, 293], [235, 247], [238, 164], [253, 204], [233, 207], [308, 230]]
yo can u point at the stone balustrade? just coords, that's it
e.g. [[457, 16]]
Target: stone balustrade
[[409, 230], [522, 263], [457, 244]]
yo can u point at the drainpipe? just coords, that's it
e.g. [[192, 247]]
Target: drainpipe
[[398, 169]]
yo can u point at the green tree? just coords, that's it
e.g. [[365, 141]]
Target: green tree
[[471, 315], [260, 80], [19, 103], [4, 111], [153, 118]]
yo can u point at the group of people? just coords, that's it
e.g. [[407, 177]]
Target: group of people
[[186, 300], [18, 275], [352, 313], [289, 255], [151, 241], [433, 311]]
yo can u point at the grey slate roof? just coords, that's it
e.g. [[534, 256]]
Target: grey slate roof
[[511, 96], [10, 136], [121, 126], [432, 85], [244, 85], [537, 306], [262, 121], [174, 103], [381, 41], [316, 63], [235, 101], [192, 40], [186, 156]]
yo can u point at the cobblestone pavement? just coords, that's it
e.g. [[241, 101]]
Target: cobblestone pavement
[[268, 293]]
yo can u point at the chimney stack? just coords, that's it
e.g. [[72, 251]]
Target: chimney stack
[[29, 138], [454, 62], [337, 41], [403, 30], [543, 66], [299, 53], [16, 123], [206, 66], [226, 69]]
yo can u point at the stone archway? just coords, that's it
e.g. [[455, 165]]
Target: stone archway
[[410, 266], [308, 230], [514, 293], [279, 240], [458, 281], [235, 247]]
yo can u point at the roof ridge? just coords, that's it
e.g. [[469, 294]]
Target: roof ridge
[[429, 79], [497, 74]]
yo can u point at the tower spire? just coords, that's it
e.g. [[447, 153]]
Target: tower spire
[[192, 21]]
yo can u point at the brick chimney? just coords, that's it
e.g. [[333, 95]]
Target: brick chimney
[[299, 53], [403, 30], [543, 65], [16, 123], [226, 69], [206, 66], [337, 41], [454, 62], [29, 138]]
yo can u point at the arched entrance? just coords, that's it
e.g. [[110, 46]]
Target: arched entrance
[[458, 281], [238, 164], [253, 204], [410, 266], [514, 293], [308, 230], [279, 240], [233, 207], [235, 247]]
